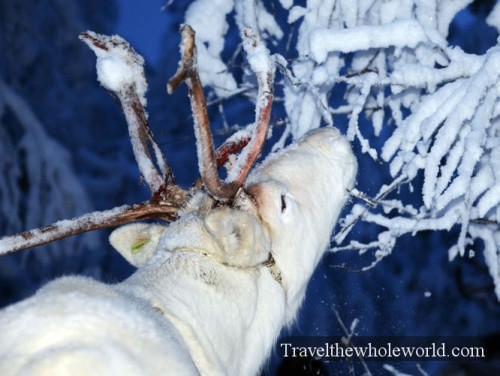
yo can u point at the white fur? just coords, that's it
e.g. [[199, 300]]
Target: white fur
[[203, 300]]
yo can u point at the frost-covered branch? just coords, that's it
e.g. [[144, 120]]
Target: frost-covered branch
[[449, 137]]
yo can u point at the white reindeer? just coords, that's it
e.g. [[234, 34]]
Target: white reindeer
[[212, 290]]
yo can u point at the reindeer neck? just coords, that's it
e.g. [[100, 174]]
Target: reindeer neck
[[229, 318]]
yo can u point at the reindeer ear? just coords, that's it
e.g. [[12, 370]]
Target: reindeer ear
[[136, 242], [242, 239]]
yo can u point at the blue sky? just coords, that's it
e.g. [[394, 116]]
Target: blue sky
[[142, 23]]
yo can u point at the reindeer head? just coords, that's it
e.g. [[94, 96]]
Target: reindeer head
[[285, 212], [299, 194]]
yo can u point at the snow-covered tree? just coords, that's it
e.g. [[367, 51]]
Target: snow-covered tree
[[422, 109]]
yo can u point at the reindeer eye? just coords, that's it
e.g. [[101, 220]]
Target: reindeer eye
[[283, 203]]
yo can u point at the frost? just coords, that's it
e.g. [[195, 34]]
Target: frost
[[494, 17], [295, 13], [262, 66], [42, 235], [208, 19], [258, 58], [286, 3], [119, 66], [120, 70], [254, 15], [489, 200], [324, 41]]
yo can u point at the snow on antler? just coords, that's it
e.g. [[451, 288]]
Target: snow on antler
[[262, 64], [85, 223], [187, 72], [120, 70]]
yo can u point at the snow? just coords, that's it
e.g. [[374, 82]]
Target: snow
[[490, 200], [118, 65], [491, 241], [286, 3], [113, 72], [208, 19], [359, 38], [494, 17], [137, 135], [262, 65], [58, 229], [447, 11], [121, 70], [257, 55], [320, 75], [254, 15], [295, 13]]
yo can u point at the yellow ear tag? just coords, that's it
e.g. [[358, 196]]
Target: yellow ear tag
[[138, 246]]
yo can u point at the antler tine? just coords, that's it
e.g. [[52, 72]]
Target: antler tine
[[120, 70], [263, 66], [205, 147], [85, 223]]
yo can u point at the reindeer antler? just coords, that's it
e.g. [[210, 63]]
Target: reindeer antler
[[262, 64], [120, 71]]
